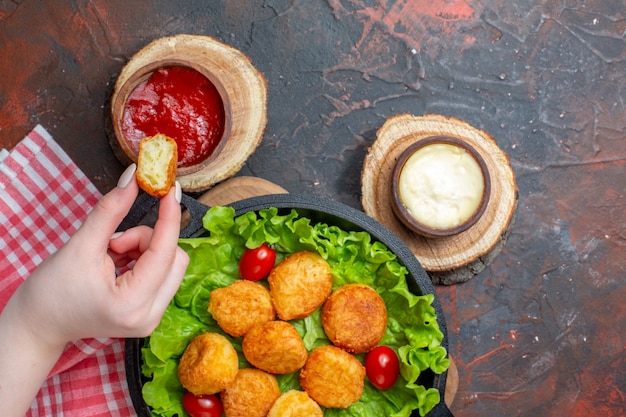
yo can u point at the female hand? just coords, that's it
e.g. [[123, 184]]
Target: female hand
[[76, 293]]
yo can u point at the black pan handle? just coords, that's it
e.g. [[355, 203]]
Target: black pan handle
[[144, 205], [196, 210], [139, 210], [440, 410]]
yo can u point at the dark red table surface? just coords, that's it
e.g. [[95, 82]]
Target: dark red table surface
[[541, 331]]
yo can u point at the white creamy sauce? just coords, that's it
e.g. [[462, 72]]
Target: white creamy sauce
[[441, 185]]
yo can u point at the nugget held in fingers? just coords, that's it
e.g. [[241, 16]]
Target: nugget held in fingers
[[355, 318], [333, 377], [251, 394], [240, 306], [299, 285], [275, 347], [208, 365], [156, 164]]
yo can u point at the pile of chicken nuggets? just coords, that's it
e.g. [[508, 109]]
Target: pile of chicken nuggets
[[354, 318]]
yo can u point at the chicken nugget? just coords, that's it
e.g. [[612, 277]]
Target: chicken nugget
[[156, 164], [355, 318], [275, 347], [251, 394], [240, 306], [295, 403], [208, 365], [333, 377], [300, 284]]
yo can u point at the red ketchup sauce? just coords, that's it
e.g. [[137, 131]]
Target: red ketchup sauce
[[181, 103]]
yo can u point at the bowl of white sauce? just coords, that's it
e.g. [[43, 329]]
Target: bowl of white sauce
[[441, 186]]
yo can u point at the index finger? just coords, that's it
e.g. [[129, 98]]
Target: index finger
[[154, 264]]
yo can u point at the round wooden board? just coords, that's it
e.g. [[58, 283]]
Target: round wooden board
[[452, 259], [452, 383], [242, 87], [238, 188], [234, 189]]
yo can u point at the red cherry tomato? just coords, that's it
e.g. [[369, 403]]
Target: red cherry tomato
[[203, 405], [382, 367], [256, 264]]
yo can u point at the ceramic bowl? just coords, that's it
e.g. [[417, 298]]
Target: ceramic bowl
[[242, 88], [440, 186]]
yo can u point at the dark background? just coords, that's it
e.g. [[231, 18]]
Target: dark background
[[541, 331]]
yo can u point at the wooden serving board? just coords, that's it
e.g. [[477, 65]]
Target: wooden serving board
[[242, 88], [453, 259], [239, 188], [235, 189]]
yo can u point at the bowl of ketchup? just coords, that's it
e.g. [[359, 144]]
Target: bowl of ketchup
[[204, 94]]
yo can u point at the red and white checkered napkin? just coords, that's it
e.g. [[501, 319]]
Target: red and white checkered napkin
[[44, 197]]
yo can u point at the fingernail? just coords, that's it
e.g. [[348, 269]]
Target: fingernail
[[127, 176], [116, 235], [179, 192]]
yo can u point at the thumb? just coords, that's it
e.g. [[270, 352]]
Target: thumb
[[111, 209]]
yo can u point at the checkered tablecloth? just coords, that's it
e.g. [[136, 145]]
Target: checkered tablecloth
[[44, 197]]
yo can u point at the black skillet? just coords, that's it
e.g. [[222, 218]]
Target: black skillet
[[318, 210]]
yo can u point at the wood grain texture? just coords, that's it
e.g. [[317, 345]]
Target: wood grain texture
[[239, 188], [234, 189], [242, 87], [444, 253]]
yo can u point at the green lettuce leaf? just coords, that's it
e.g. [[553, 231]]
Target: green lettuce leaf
[[412, 329]]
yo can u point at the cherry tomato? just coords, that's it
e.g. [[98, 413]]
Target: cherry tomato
[[256, 264], [203, 405], [382, 367]]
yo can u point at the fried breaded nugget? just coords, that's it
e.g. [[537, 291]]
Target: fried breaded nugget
[[333, 377], [156, 164], [275, 347], [240, 306], [251, 394], [295, 403], [355, 318], [299, 285], [208, 365]]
